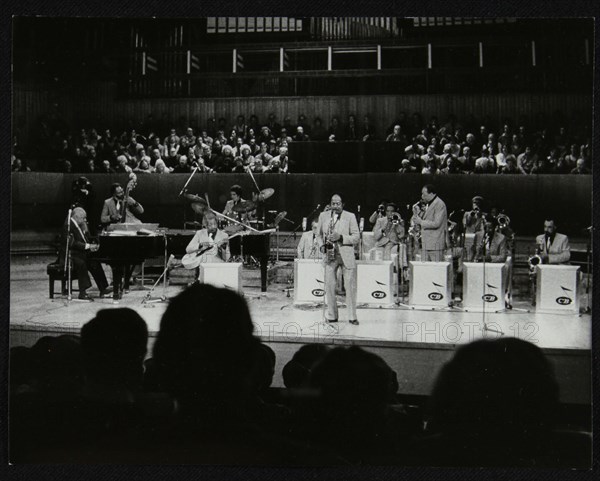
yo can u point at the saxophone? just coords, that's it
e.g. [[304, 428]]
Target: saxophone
[[330, 248], [418, 211]]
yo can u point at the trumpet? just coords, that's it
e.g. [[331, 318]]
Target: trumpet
[[503, 220], [396, 219], [475, 212]]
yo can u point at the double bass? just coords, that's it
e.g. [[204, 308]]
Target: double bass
[[130, 186]]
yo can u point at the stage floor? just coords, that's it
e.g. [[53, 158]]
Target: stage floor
[[277, 319], [414, 343]]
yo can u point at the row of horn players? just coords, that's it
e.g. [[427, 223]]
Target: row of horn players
[[471, 236]]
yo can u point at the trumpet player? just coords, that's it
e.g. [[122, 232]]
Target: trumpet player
[[552, 247], [379, 213], [433, 223], [339, 230], [389, 231], [473, 219]]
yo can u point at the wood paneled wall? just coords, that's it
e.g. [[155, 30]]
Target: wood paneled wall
[[97, 106], [40, 200]]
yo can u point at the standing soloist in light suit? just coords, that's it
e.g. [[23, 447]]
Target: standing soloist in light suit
[[434, 224], [339, 231]]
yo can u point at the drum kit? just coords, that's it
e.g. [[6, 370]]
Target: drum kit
[[201, 206]]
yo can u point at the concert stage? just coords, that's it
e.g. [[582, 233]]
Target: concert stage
[[415, 343]]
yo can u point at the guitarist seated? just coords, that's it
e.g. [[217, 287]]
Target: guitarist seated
[[209, 244]]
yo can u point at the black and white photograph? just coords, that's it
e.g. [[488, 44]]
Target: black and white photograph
[[301, 241]]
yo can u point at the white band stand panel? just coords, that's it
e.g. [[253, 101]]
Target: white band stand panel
[[309, 281], [375, 283], [222, 274], [430, 285], [557, 289], [484, 286]]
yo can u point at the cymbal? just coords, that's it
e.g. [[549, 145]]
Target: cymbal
[[279, 218], [245, 206], [199, 207], [265, 193], [195, 198]]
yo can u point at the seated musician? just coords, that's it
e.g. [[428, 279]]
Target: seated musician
[[389, 231], [115, 210], [210, 242], [112, 210], [551, 246], [80, 247], [473, 219], [236, 200], [310, 243], [489, 245]]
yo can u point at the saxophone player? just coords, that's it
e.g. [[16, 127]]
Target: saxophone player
[[553, 247], [339, 230], [310, 243], [433, 223]]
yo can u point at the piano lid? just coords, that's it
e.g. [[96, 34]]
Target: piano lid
[[132, 227]]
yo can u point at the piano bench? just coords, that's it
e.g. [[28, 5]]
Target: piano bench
[[56, 272]]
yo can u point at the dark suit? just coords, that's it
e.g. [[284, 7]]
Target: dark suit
[[497, 250], [80, 258]]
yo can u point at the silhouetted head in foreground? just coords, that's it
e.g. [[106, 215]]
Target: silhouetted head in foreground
[[500, 385], [205, 349], [297, 371], [114, 346]]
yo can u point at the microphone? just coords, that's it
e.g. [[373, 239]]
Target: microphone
[[361, 225], [70, 212], [304, 223]]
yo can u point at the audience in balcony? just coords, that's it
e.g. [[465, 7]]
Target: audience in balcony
[[474, 147]]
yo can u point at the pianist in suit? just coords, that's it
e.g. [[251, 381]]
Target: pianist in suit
[[551, 246], [81, 247], [310, 243], [212, 239], [113, 207], [489, 245]]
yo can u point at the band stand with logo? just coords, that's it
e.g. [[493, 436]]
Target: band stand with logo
[[222, 274], [375, 286], [557, 289], [484, 286], [309, 281], [429, 286]]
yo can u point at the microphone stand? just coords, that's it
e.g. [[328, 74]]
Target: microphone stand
[[588, 308], [485, 326], [184, 188], [299, 225], [68, 256]]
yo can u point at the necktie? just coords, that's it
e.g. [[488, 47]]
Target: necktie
[[548, 243]]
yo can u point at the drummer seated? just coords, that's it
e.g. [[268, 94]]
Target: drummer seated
[[211, 242]]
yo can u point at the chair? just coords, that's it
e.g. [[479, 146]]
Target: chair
[[56, 272]]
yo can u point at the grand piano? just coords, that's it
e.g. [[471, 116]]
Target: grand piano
[[123, 246]]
